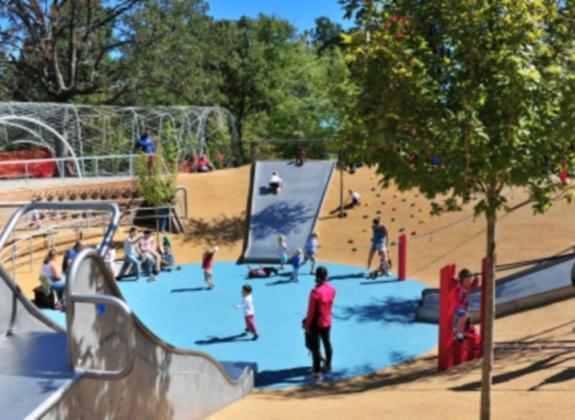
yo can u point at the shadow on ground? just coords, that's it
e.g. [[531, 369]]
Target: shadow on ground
[[390, 309], [221, 230], [279, 218]]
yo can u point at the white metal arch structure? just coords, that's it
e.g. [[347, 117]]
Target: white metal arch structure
[[13, 120], [102, 138]]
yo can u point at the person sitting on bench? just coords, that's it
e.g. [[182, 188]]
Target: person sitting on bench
[[261, 272], [51, 280], [276, 183]]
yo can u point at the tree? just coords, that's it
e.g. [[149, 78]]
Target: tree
[[326, 35], [461, 99], [273, 82], [58, 50], [179, 67]]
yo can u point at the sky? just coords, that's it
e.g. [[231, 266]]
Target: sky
[[301, 13]]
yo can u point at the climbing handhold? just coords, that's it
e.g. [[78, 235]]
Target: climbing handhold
[[412, 204], [373, 189], [422, 222], [402, 229], [393, 219], [393, 243], [354, 249], [378, 212], [365, 216], [403, 200], [413, 233], [378, 195], [350, 241], [364, 230], [411, 216], [393, 209], [383, 203]]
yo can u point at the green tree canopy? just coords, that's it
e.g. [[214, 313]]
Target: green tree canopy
[[462, 98]]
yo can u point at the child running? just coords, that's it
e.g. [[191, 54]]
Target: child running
[[464, 287], [296, 262], [283, 251], [207, 263], [310, 251], [247, 306]]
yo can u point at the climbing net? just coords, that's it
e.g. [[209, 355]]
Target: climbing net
[[88, 135]]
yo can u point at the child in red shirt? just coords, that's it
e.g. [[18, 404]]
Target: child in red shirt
[[207, 262]]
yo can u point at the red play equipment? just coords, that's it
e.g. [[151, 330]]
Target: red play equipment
[[402, 257], [20, 164], [451, 352]]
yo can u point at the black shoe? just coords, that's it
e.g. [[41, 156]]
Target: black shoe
[[255, 337]]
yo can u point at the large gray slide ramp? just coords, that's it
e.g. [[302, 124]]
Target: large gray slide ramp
[[292, 212], [106, 364], [540, 285]]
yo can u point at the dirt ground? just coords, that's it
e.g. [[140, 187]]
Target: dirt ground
[[528, 385]]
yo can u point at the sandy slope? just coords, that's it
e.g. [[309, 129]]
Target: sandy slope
[[529, 385]]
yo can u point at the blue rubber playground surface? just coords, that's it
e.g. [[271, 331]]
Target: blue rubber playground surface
[[374, 323]]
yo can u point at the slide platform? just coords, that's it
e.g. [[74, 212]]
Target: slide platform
[[540, 285], [292, 212]]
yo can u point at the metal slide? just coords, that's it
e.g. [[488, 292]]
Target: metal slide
[[543, 284], [107, 364], [292, 212]]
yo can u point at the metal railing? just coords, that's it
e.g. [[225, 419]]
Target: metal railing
[[90, 166]]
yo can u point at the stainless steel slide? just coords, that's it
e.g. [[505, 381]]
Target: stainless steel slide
[[107, 364], [543, 284], [292, 212]]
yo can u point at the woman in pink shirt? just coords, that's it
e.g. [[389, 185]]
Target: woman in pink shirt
[[318, 321]]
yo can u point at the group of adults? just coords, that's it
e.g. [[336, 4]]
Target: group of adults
[[143, 255]]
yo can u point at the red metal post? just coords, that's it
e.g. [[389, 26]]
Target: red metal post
[[447, 301], [402, 258], [483, 302]]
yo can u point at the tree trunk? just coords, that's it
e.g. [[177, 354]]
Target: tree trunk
[[486, 373]]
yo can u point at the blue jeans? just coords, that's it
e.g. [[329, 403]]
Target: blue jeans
[[58, 285], [134, 262], [148, 266], [165, 219]]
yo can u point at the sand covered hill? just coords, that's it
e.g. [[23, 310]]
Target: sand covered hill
[[530, 385]]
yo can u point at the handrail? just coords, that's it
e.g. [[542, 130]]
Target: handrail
[[131, 341], [111, 207], [185, 194]]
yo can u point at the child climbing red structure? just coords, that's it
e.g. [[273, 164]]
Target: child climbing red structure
[[452, 352]]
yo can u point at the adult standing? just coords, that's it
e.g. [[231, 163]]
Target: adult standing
[[379, 239], [318, 321], [147, 145]]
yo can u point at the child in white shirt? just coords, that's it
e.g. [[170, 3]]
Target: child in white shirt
[[247, 306]]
